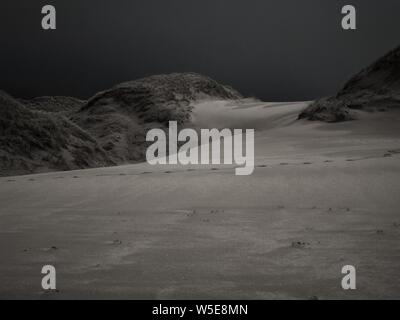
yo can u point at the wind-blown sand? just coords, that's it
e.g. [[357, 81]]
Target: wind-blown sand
[[322, 196]]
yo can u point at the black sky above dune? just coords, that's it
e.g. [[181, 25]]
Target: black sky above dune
[[277, 50]]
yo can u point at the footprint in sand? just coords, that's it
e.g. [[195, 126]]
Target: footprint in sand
[[75, 177], [262, 166], [300, 244], [116, 242], [193, 212], [52, 248], [394, 151], [214, 169]]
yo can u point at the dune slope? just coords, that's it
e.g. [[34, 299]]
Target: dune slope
[[376, 88], [110, 128], [32, 141]]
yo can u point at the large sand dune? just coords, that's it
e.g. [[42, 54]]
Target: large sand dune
[[322, 196]]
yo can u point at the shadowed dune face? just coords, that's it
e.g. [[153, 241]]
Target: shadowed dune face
[[162, 98], [110, 128], [32, 141], [376, 88], [383, 76], [57, 104]]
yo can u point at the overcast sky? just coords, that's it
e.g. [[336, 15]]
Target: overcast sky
[[277, 50]]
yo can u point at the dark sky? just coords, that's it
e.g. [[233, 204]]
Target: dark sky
[[277, 50]]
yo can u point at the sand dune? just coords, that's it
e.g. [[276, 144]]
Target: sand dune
[[322, 196], [375, 88], [246, 113], [64, 133]]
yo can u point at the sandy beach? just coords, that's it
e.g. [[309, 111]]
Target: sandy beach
[[322, 196]]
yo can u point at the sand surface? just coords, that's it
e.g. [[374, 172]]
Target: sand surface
[[322, 196]]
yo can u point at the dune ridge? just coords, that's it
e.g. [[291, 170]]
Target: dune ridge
[[65, 133], [375, 88]]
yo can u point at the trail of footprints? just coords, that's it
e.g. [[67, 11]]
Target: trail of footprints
[[388, 154]]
